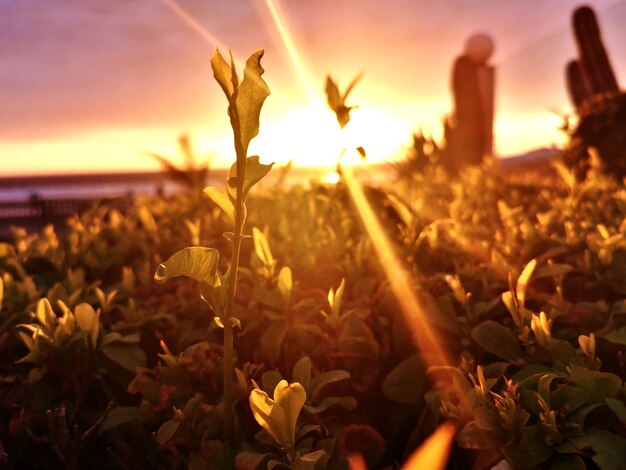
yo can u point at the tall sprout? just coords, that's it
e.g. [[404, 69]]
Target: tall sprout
[[245, 100]]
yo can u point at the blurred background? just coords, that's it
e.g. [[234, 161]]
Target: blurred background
[[91, 86]]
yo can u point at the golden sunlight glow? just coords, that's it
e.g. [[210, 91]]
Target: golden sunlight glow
[[413, 306], [290, 46], [312, 137], [332, 178], [434, 453]]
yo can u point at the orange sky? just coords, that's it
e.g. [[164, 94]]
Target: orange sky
[[89, 86]]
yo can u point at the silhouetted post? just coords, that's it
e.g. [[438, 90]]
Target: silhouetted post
[[469, 135], [591, 75]]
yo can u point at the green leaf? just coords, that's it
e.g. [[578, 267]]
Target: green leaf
[[618, 407], [278, 416], [326, 378], [250, 98], [311, 460], [223, 73], [45, 314], [598, 385], [272, 340], [522, 282], [497, 340], [473, 437], [337, 102], [291, 398], [196, 262], [262, 247], [167, 431], [220, 197], [610, 449], [617, 336], [270, 379], [348, 403], [302, 372], [129, 356], [405, 383], [568, 462], [285, 285], [215, 294], [255, 172], [122, 415], [88, 321], [248, 460], [531, 451]]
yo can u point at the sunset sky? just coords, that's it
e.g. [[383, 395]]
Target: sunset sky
[[88, 85]]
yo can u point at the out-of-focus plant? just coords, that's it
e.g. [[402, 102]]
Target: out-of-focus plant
[[193, 175]]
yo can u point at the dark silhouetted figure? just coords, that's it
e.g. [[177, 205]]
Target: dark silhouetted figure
[[469, 135]]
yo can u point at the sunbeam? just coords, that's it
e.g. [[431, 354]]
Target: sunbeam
[[200, 30], [413, 307], [293, 53]]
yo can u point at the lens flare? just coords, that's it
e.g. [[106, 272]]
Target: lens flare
[[200, 30], [413, 306], [292, 52]]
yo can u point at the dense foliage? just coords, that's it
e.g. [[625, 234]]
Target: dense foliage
[[293, 353], [104, 368]]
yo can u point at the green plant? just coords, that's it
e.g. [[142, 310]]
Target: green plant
[[245, 100]]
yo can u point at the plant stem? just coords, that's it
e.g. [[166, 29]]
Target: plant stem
[[229, 353]]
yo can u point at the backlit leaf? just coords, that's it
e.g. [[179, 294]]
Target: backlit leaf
[[223, 73], [250, 97], [291, 398], [255, 172], [196, 262], [262, 247], [523, 280], [219, 197]]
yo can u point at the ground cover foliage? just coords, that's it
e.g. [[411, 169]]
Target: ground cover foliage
[[102, 367]]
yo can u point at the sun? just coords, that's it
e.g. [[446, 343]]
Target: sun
[[311, 136]]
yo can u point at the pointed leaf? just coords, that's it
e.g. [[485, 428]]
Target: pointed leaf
[[88, 320], [302, 372], [167, 431], [497, 340], [219, 197], [196, 262], [285, 284], [326, 378], [262, 247], [45, 314], [255, 172], [269, 415], [222, 73], [291, 398], [250, 97], [405, 383], [270, 379], [522, 282]]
